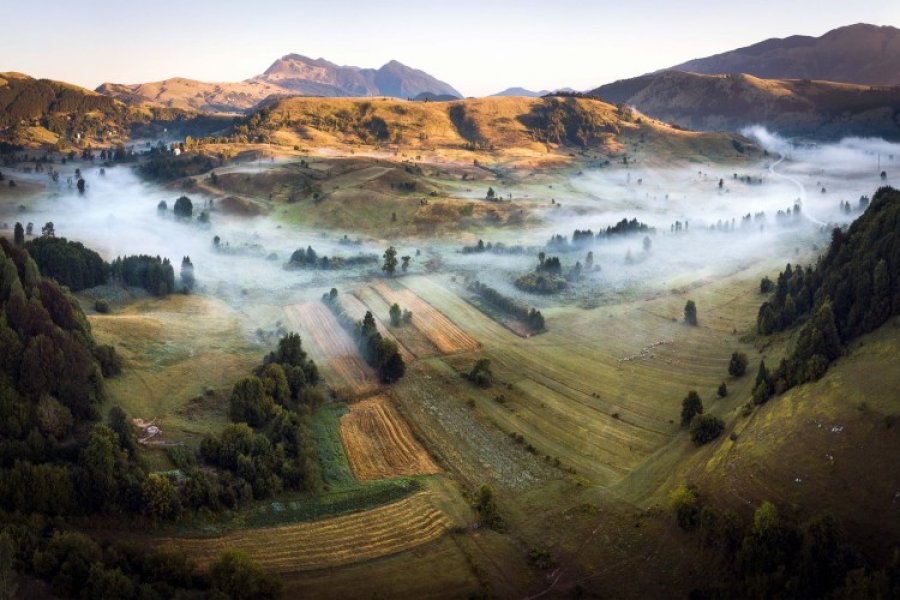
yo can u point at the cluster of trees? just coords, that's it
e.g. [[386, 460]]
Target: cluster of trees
[[775, 557], [854, 288], [76, 566], [586, 237], [703, 428], [531, 317], [154, 274], [398, 316], [77, 267], [861, 206], [379, 352], [547, 277], [480, 374], [162, 165], [269, 447], [309, 259], [494, 248], [541, 283], [69, 263], [565, 121]]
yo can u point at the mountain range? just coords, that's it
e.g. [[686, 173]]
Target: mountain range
[[842, 83], [861, 53], [290, 75], [820, 109]]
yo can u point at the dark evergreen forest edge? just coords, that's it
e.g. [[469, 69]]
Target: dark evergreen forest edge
[[853, 289]]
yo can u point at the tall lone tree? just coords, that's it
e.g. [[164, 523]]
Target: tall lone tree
[[390, 261], [19, 235], [690, 313], [187, 273], [691, 406], [396, 314], [737, 366], [184, 208]]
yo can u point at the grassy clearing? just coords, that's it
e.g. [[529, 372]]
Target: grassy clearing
[[432, 572], [181, 355], [326, 425]]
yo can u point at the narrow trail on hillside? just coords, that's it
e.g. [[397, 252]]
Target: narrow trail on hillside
[[800, 187]]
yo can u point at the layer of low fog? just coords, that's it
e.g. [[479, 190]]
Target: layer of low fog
[[118, 215], [818, 178]]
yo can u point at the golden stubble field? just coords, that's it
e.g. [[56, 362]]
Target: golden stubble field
[[380, 444]]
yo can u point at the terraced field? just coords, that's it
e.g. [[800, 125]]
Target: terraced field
[[343, 540], [380, 444], [440, 330], [345, 368]]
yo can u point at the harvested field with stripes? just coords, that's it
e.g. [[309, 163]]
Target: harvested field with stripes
[[347, 539], [440, 330], [380, 444], [333, 348]]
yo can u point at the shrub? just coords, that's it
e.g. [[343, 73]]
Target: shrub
[[683, 503], [737, 366], [691, 406], [481, 374], [706, 428]]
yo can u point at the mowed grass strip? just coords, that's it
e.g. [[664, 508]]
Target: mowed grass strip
[[380, 444], [341, 540], [600, 390], [442, 332], [347, 367]]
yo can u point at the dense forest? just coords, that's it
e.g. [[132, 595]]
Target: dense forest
[[70, 263], [59, 459], [776, 556], [854, 288]]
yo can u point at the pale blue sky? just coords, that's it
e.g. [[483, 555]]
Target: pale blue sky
[[480, 47]]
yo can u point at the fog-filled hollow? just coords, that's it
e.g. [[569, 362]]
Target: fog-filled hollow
[[118, 215]]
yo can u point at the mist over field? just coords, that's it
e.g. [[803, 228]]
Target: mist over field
[[659, 196], [118, 215]]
